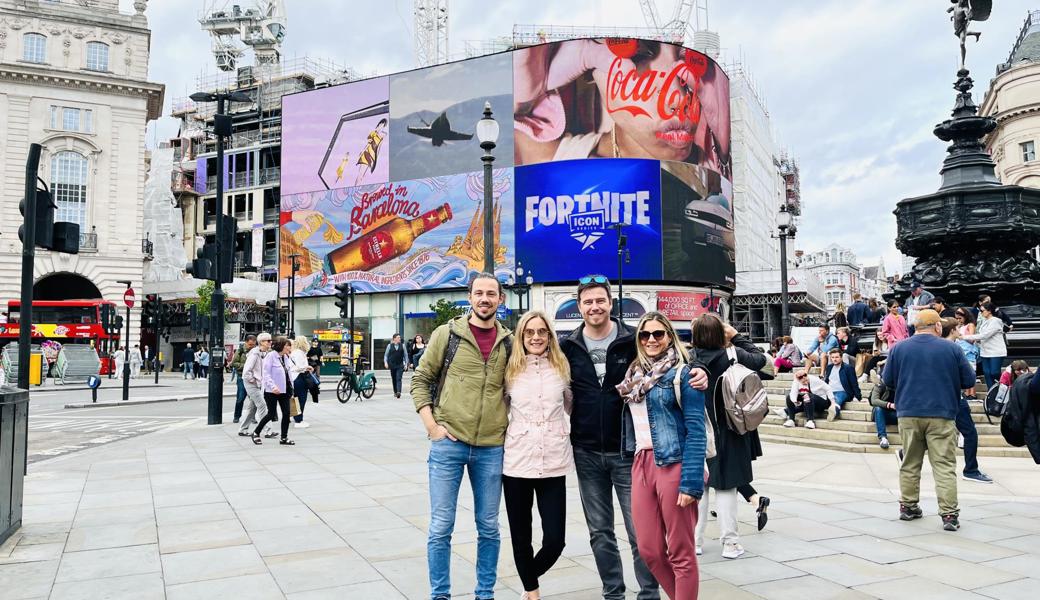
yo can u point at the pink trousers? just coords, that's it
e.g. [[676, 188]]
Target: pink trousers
[[664, 531]]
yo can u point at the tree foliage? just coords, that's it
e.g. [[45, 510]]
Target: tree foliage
[[444, 311]]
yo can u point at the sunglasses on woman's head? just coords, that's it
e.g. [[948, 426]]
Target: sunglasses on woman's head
[[593, 278], [645, 335]]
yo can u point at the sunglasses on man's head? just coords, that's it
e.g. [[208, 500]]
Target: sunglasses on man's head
[[645, 335], [593, 278]]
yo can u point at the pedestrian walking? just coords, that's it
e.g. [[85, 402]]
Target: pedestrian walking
[[238, 365], [277, 389], [135, 362], [204, 362], [120, 361], [730, 468], [465, 421], [537, 451], [668, 436], [990, 338], [964, 423], [928, 376], [416, 348], [188, 361], [146, 358], [396, 359], [301, 373], [255, 408]]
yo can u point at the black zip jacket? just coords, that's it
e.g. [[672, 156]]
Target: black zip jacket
[[596, 416]]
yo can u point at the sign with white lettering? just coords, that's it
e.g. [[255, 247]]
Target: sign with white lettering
[[566, 212]]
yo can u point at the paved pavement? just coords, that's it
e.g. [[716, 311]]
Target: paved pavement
[[196, 512]]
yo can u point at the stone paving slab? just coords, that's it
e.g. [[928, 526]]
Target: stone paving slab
[[202, 513]]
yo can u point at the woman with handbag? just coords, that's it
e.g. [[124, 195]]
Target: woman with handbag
[[537, 453], [277, 389], [717, 346], [668, 469], [301, 376]]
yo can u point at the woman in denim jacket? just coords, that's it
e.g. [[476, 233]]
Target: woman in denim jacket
[[667, 435]]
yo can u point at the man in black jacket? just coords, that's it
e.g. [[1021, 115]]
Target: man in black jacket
[[599, 353]]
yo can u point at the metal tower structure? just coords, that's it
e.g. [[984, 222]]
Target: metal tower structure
[[261, 27], [431, 32], [674, 28]]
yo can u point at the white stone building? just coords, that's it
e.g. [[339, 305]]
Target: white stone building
[[74, 78], [839, 270]]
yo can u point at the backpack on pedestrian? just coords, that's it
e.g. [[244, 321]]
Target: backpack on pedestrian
[[744, 397], [996, 401], [709, 447], [449, 355], [1013, 421]]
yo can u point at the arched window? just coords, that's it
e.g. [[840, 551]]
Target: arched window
[[97, 56], [34, 48], [69, 187]]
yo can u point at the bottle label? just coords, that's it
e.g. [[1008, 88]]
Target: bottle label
[[377, 248]]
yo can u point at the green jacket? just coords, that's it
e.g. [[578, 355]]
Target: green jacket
[[239, 360], [472, 406]]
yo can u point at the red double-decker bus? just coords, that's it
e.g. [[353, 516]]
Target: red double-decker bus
[[66, 322]]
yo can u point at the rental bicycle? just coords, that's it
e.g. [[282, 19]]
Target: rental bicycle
[[355, 381]]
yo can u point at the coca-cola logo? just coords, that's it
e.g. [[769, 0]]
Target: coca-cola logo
[[629, 90], [387, 201]]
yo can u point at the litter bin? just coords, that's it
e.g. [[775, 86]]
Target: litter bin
[[14, 410]]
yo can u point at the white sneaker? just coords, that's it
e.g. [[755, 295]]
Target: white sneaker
[[960, 440], [810, 424], [732, 550], [780, 412], [789, 423], [700, 550], [832, 411], [303, 424]]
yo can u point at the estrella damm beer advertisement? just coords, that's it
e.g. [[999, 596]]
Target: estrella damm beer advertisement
[[591, 131], [566, 213], [409, 235]]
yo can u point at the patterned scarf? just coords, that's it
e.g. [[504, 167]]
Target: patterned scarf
[[637, 383]]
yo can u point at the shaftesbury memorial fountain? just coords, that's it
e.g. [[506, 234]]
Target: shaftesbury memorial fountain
[[973, 235]]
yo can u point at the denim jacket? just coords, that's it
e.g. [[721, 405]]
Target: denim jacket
[[678, 434]]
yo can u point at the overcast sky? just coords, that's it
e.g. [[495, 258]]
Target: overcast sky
[[854, 87]]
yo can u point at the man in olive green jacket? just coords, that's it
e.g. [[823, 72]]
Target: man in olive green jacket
[[467, 428]]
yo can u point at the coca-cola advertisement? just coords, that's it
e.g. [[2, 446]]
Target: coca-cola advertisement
[[620, 98], [409, 235]]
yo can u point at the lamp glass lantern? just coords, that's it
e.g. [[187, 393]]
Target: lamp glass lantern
[[487, 128], [784, 219]]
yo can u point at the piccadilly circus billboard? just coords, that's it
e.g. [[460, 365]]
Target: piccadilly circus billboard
[[382, 184]]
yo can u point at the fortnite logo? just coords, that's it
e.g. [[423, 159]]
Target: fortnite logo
[[587, 215]]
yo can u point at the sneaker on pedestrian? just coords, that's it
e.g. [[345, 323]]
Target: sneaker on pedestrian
[[909, 513], [832, 411], [883, 442], [700, 550], [303, 424], [732, 550], [977, 476], [810, 424], [950, 523], [789, 423], [780, 412], [960, 440]]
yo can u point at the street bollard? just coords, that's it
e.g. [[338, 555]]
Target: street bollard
[[93, 382], [14, 410]]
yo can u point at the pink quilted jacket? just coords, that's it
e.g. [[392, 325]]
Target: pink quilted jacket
[[538, 441]]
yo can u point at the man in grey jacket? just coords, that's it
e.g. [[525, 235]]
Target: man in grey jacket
[[254, 407]]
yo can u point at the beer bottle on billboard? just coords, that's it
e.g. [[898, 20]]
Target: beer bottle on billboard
[[384, 243]]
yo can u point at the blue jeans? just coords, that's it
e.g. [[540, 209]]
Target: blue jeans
[[447, 461], [991, 369], [189, 369], [883, 417], [840, 398], [966, 427], [240, 397], [600, 475]]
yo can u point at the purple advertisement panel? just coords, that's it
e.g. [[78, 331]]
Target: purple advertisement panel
[[336, 137]]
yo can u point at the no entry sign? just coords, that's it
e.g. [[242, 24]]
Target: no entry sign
[[129, 297]]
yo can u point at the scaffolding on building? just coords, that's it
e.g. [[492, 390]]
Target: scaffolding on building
[[1031, 25], [792, 183], [531, 35]]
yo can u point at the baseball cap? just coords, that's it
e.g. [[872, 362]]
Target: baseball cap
[[915, 285], [926, 318], [263, 337]]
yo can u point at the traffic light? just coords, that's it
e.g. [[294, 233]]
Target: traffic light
[[44, 225], [227, 244], [193, 318], [66, 237], [283, 321], [106, 318], [117, 324], [150, 312], [343, 293], [271, 323], [202, 266]]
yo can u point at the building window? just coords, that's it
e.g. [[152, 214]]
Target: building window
[[80, 120], [34, 48], [97, 56], [1028, 151], [69, 186]]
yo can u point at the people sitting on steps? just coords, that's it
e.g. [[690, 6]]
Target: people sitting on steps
[[819, 348], [841, 379], [788, 357], [883, 411], [810, 395]]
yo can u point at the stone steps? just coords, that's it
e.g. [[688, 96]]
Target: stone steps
[[1006, 451]]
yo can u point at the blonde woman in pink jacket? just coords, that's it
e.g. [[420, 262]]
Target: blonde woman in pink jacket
[[538, 452]]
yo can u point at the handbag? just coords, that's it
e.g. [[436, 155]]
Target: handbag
[[294, 407]]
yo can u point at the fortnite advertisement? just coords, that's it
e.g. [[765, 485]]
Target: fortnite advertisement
[[381, 183], [418, 234], [566, 214]]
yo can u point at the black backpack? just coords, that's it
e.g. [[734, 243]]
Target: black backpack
[[996, 402], [1012, 425]]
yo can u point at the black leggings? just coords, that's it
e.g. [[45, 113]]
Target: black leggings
[[552, 508], [819, 405], [274, 402]]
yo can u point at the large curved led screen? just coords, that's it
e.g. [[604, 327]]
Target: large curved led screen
[[382, 181]]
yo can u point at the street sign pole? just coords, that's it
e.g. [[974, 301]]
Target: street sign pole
[[128, 299]]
